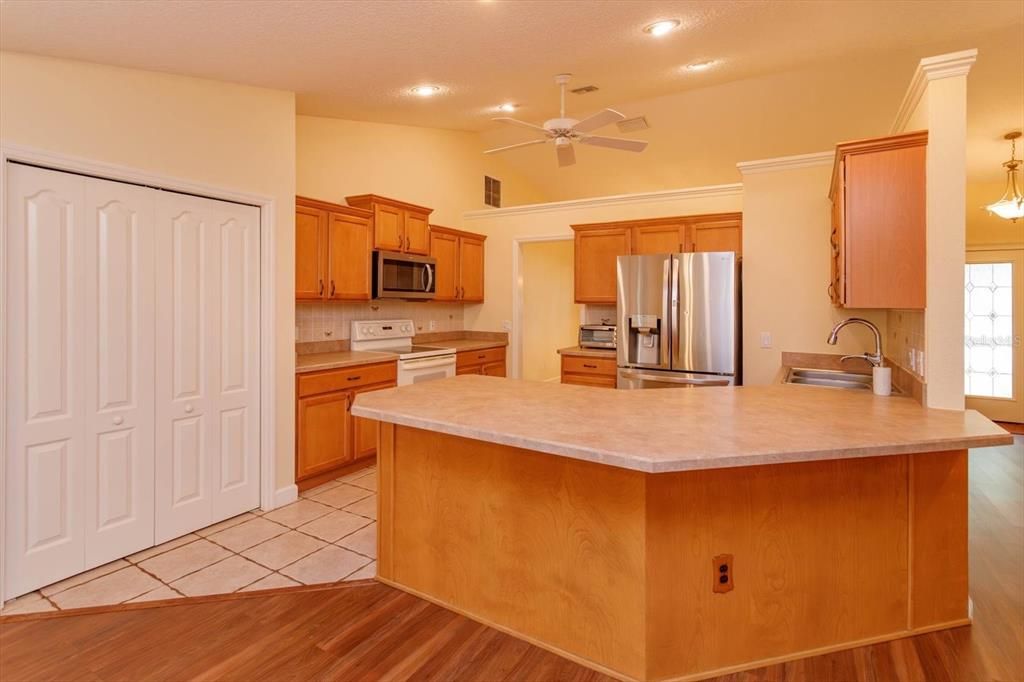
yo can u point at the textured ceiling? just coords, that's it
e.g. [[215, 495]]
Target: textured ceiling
[[357, 59]]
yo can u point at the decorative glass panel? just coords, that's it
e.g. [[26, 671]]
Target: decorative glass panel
[[988, 330]]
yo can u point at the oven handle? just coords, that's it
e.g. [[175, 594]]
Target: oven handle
[[428, 362], [675, 380]]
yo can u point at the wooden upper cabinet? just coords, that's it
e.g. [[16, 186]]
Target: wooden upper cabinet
[[398, 225], [878, 223], [716, 233], [444, 247], [348, 262], [459, 275], [471, 268], [658, 238], [332, 251], [310, 251], [595, 254]]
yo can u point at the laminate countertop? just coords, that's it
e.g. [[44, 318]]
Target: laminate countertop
[[461, 345], [314, 362], [666, 430], [588, 352]]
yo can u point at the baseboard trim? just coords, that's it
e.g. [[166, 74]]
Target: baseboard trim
[[285, 495]]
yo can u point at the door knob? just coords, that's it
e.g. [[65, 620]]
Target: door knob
[[118, 420], [189, 408]]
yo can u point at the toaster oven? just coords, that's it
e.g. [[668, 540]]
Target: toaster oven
[[597, 336]]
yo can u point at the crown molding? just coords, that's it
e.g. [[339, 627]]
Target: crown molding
[[929, 69], [734, 189], [786, 163]]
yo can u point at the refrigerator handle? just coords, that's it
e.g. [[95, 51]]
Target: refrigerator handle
[[670, 340]]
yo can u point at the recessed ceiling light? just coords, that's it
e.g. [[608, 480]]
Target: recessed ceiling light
[[660, 28], [425, 90], [508, 106], [701, 66]]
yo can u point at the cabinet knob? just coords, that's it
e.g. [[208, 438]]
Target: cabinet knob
[[188, 409], [118, 420]]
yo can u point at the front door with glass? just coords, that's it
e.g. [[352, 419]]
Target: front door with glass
[[993, 318]]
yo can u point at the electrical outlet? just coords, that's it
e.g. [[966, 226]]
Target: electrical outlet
[[432, 325], [722, 574], [766, 339]]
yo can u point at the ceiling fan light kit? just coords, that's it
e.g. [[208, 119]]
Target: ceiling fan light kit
[[564, 131]]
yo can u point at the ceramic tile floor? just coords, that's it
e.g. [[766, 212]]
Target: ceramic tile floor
[[328, 534]]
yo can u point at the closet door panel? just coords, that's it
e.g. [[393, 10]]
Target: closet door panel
[[119, 360], [45, 432]]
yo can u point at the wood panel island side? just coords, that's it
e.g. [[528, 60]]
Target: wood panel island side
[[596, 523]]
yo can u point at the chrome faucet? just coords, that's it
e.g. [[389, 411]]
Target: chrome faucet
[[874, 358]]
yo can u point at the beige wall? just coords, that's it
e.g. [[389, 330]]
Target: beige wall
[[230, 136], [786, 255], [550, 316], [441, 169]]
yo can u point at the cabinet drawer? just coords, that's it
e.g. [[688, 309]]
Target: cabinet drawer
[[479, 357], [349, 377], [572, 364], [589, 380]]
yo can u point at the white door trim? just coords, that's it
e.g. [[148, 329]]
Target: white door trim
[[517, 296], [269, 496]]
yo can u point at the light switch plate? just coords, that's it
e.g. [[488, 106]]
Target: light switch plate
[[766, 339], [433, 325], [507, 325]]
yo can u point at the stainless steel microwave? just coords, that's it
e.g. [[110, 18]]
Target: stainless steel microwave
[[403, 275]]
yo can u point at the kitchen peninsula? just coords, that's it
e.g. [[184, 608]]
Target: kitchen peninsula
[[676, 534]]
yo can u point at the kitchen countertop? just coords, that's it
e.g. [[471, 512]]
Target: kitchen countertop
[[668, 430], [461, 345], [588, 352], [315, 362]]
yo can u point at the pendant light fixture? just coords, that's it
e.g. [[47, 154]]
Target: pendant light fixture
[[1011, 205]]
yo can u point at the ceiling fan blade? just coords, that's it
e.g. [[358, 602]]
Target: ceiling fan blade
[[566, 155], [615, 143], [598, 120], [521, 124], [513, 146]]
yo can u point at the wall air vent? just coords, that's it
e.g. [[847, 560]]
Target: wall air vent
[[586, 89], [492, 191], [631, 125]]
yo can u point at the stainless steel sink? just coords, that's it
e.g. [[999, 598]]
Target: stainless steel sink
[[831, 378]]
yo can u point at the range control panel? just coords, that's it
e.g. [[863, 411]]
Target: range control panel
[[367, 330]]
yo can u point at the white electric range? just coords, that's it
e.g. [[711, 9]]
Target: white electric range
[[415, 363]]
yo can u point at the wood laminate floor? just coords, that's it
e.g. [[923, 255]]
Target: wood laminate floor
[[367, 631]]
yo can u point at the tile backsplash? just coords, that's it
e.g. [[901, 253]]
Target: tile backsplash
[[905, 342], [594, 314], [320, 321]]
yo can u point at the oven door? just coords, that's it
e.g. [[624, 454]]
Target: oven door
[[401, 275], [425, 369]]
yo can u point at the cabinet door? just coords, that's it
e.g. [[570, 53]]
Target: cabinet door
[[365, 430], [493, 369], [589, 380], [469, 369], [310, 252], [417, 233], [596, 251], [324, 433], [444, 247], [471, 268], [387, 228], [348, 262], [884, 224], [650, 239], [717, 234]]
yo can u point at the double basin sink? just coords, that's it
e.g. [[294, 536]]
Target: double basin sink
[[831, 378]]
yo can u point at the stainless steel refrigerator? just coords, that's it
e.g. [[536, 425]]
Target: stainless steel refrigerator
[[679, 320]]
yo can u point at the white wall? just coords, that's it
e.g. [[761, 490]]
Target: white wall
[[231, 136], [550, 316]]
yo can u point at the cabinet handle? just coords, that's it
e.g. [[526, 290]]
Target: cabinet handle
[[332, 288], [589, 366], [355, 378], [401, 241], [321, 287], [832, 292]]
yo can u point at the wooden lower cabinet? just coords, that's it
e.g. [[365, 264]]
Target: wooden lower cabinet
[[328, 437], [586, 370], [490, 362]]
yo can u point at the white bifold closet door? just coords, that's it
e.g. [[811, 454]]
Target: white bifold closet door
[[132, 370]]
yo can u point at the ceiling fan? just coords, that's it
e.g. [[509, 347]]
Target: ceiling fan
[[564, 131]]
